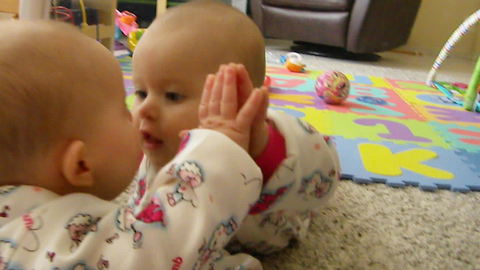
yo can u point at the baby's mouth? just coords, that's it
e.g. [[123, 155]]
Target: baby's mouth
[[150, 142]]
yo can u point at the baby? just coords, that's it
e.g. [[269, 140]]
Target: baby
[[176, 54], [68, 145]]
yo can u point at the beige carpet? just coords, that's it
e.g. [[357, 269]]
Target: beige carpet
[[378, 227]]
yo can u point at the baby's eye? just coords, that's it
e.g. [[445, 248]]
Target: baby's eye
[[172, 96], [141, 94]]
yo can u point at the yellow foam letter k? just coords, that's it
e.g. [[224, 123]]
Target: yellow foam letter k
[[380, 160]]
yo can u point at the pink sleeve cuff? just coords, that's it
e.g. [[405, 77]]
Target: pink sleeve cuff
[[273, 154]]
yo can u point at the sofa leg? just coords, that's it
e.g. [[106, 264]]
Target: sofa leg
[[332, 52]]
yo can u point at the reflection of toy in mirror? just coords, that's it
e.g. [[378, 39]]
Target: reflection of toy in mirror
[[293, 62], [126, 22], [134, 38], [333, 87]]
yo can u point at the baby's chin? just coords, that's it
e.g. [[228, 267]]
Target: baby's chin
[[158, 159]]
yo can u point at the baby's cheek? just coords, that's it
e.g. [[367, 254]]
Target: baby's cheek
[[177, 128], [135, 118]]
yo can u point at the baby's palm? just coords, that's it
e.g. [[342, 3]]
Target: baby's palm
[[219, 107], [259, 130]]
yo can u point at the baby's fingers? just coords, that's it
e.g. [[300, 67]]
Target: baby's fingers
[[245, 86], [228, 107], [250, 109], [206, 94], [262, 112], [216, 95]]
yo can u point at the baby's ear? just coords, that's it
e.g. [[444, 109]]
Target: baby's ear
[[75, 166]]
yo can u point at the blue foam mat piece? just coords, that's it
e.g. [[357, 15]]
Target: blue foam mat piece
[[471, 158], [465, 180]]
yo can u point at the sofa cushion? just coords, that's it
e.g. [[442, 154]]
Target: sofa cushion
[[328, 28], [325, 5]]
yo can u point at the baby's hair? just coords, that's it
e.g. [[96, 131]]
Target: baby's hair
[[35, 102], [216, 22]]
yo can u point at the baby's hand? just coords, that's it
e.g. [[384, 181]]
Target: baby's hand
[[219, 107], [259, 133]]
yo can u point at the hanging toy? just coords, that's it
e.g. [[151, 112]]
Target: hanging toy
[[333, 87], [460, 94]]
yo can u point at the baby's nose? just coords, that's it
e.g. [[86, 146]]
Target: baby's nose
[[148, 110]]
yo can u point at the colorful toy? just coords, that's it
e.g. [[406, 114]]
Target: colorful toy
[[134, 37], [333, 87], [293, 62], [453, 92], [126, 22], [60, 13]]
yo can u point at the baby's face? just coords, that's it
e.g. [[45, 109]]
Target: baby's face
[[170, 65], [168, 86], [118, 147], [115, 142]]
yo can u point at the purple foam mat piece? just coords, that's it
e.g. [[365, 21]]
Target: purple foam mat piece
[[465, 178]]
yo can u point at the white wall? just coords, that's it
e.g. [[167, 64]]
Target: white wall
[[436, 21]]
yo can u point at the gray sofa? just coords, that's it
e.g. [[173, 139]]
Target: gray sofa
[[350, 26]]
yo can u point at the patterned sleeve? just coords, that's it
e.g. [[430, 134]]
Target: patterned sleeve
[[307, 176], [194, 205]]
